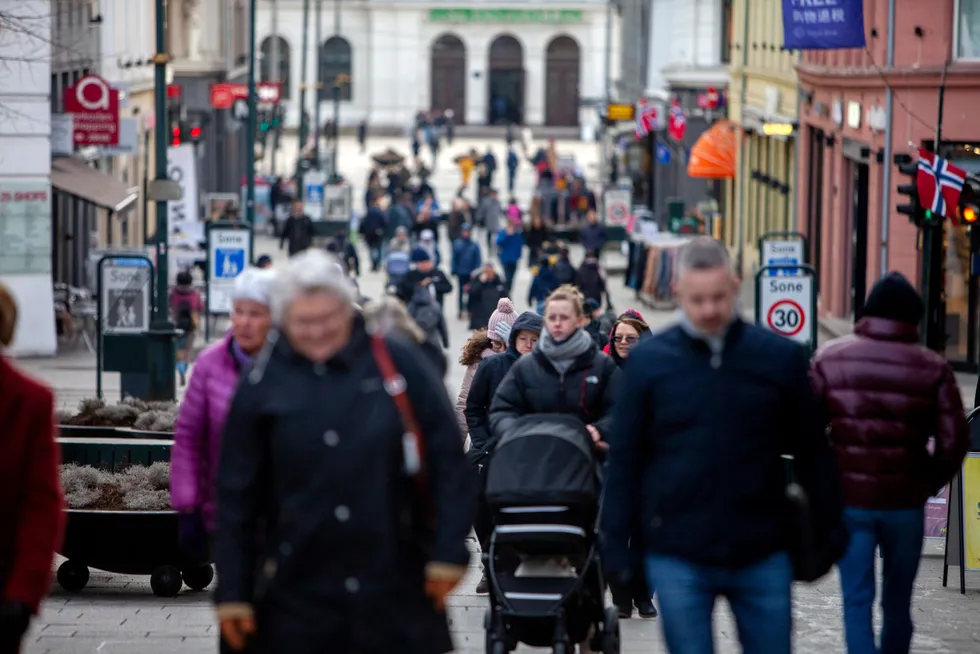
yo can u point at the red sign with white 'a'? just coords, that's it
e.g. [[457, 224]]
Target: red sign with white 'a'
[[223, 95], [94, 106]]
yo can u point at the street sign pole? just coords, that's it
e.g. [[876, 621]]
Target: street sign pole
[[162, 354], [252, 118], [303, 83], [787, 305]]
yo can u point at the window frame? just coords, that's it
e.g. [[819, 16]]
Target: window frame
[[957, 24], [325, 86], [727, 31]]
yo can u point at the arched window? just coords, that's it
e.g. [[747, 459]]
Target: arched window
[[335, 66], [266, 63]]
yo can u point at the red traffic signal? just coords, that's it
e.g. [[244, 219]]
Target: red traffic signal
[[195, 133], [175, 135]]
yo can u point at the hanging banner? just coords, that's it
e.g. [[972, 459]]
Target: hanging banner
[[833, 25], [184, 227]]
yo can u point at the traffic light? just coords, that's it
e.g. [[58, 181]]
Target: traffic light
[[916, 213], [195, 133], [265, 122], [176, 132], [969, 207]]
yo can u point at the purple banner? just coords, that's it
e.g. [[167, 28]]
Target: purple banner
[[823, 24], [937, 514]]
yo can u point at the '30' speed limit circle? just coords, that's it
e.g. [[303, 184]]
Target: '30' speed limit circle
[[786, 317]]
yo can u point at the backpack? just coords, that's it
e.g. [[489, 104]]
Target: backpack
[[426, 313], [184, 315]]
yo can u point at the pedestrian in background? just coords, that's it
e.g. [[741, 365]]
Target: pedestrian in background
[[204, 409], [513, 161], [542, 285], [424, 274], [31, 502], [372, 228], [298, 231], [593, 324], [186, 308], [510, 245], [709, 484], [590, 280], [593, 234], [487, 293], [476, 348], [466, 260], [488, 214], [886, 398], [364, 534], [362, 136]]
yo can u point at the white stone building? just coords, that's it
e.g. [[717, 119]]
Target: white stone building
[[533, 63], [25, 171]]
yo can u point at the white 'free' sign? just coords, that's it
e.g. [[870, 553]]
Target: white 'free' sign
[[785, 304]]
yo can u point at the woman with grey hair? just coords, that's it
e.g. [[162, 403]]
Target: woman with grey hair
[[340, 440], [201, 421]]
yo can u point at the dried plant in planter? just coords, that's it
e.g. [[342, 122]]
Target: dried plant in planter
[[131, 412], [134, 488]]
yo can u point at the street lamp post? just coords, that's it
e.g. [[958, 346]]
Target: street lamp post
[[304, 58], [335, 168], [252, 118], [318, 37], [160, 344]]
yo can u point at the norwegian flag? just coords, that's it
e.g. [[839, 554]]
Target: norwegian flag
[[676, 121], [940, 184], [646, 119]]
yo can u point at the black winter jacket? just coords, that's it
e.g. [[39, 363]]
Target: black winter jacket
[[338, 563], [533, 385], [489, 374], [406, 288]]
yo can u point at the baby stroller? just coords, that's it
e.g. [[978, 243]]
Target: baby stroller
[[546, 585]]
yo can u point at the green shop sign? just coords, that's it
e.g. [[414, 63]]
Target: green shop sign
[[505, 15]]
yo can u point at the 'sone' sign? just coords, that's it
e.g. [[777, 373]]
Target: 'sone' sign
[[94, 105]]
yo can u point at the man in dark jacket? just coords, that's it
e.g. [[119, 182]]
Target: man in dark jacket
[[373, 228], [466, 260], [589, 278], [523, 335], [563, 268], [885, 397], [594, 326], [424, 273], [593, 234], [485, 290], [298, 230], [708, 481]]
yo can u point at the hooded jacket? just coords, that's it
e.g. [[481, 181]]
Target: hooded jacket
[[490, 373]]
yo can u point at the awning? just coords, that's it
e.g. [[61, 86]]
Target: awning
[[713, 155], [75, 178]]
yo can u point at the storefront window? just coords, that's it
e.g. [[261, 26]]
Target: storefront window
[[961, 289], [968, 26]]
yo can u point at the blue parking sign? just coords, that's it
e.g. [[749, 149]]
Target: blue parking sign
[[229, 262]]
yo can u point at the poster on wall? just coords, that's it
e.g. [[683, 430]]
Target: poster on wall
[[184, 226], [937, 514], [25, 228], [834, 24]]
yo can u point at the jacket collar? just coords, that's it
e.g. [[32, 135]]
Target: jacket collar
[[882, 329], [731, 335]]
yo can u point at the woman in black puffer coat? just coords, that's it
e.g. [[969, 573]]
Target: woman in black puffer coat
[[566, 373]]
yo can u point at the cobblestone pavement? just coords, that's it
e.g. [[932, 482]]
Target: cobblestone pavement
[[117, 614]]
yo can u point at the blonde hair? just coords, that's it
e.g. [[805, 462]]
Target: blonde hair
[[8, 316], [568, 293], [389, 315]]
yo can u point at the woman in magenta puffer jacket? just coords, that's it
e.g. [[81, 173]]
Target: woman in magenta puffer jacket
[[201, 421]]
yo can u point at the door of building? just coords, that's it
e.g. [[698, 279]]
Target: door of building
[[506, 82], [562, 81], [859, 238], [815, 202], [448, 88]]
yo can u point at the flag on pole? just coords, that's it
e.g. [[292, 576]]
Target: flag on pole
[[676, 121], [646, 119], [940, 184]]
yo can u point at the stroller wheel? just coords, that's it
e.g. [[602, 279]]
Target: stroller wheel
[[609, 641]]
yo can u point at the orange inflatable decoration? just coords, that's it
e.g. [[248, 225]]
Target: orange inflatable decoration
[[713, 155]]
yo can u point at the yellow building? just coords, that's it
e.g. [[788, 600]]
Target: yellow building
[[763, 101]]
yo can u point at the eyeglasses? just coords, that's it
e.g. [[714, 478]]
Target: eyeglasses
[[629, 340]]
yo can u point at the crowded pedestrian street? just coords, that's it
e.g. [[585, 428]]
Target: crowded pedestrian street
[[118, 614]]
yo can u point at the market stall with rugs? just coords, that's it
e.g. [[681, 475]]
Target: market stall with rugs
[[650, 265]]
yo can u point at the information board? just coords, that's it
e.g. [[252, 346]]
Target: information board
[[229, 252], [783, 252], [337, 202], [125, 296], [616, 207], [313, 184], [25, 228]]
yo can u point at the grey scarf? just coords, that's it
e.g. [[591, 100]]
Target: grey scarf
[[562, 355]]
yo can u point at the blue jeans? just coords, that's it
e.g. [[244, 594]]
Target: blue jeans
[[759, 595], [510, 271], [899, 535]]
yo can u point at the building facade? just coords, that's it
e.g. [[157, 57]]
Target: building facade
[[763, 102], [690, 43], [25, 172], [532, 65], [858, 109]]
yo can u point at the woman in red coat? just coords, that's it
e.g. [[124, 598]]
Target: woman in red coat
[[30, 492]]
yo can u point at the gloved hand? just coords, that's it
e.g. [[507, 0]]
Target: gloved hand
[[15, 617], [440, 580], [192, 537]]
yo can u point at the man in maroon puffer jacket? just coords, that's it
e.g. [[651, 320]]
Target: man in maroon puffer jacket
[[885, 397]]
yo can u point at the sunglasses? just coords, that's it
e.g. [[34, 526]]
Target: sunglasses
[[629, 340]]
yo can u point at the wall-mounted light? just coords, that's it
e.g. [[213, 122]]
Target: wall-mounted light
[[778, 129]]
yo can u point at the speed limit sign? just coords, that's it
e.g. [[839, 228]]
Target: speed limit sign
[[617, 207], [786, 305]]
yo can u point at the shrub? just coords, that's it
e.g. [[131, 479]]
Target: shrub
[[131, 412], [134, 488]]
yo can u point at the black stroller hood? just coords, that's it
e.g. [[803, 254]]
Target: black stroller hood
[[546, 459]]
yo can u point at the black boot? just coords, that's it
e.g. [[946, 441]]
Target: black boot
[[623, 602], [645, 608]]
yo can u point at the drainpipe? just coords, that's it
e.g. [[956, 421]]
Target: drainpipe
[[794, 190], [604, 166], [887, 176], [740, 189]]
